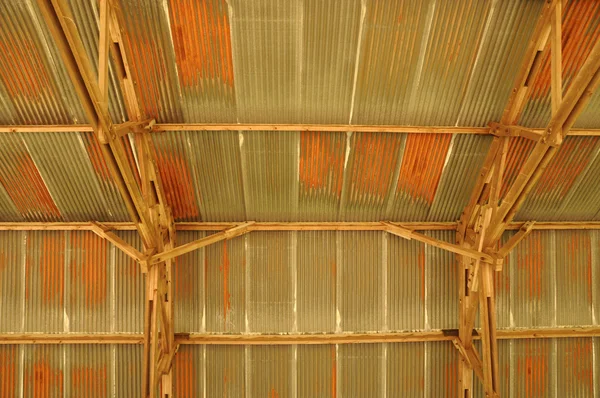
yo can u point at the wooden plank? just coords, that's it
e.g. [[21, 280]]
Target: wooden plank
[[470, 357], [516, 238], [501, 130], [104, 232], [488, 332], [200, 243]]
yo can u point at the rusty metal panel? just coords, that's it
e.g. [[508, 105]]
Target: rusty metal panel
[[88, 371], [317, 270], [12, 280], [361, 370], [226, 371], [574, 283], [225, 270], [88, 283], [589, 118], [532, 374], [44, 371], [441, 369], [405, 370], [370, 175], [217, 166], [580, 31], [317, 371], [45, 280], [188, 372], [461, 167], [10, 365], [8, 210], [568, 168], [128, 370], [441, 285], [129, 287], [406, 284], [361, 306], [149, 45], [270, 371], [35, 80], [269, 276], [270, 175], [533, 281], [575, 367], [322, 166]]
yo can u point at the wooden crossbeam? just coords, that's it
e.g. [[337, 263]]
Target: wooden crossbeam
[[515, 239], [501, 130], [469, 357], [104, 232]]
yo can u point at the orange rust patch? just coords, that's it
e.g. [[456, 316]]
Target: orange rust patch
[[182, 280], [450, 379], [534, 368], [27, 189], [23, 72], [185, 374], [8, 366], [570, 160], [579, 365], [322, 161], [333, 373], [89, 382], [50, 266], [44, 380], [274, 393], [422, 165], [202, 41], [177, 184], [531, 259], [579, 246], [226, 295], [88, 266], [96, 158], [373, 166]]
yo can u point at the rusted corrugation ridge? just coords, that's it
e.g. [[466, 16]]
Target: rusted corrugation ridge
[[270, 307], [369, 175], [32, 72], [10, 364], [270, 371], [188, 380], [532, 281], [267, 60], [177, 175], [270, 175], [317, 268], [89, 278], [360, 370], [7, 110], [71, 180], [225, 371], [502, 285], [330, 34], [189, 287], [388, 57], [12, 246], [201, 37], [45, 281], [562, 174], [129, 287], [86, 17], [441, 284], [511, 24], [441, 372], [405, 370], [43, 374], [580, 31], [505, 367], [460, 173], [322, 156], [406, 284], [362, 298], [22, 181], [575, 366], [574, 283], [532, 363], [317, 371], [109, 189], [217, 165], [88, 371], [421, 169], [152, 59], [128, 364]]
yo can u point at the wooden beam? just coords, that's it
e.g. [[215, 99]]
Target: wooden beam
[[501, 130], [489, 341], [469, 357], [515, 239], [200, 243], [104, 232]]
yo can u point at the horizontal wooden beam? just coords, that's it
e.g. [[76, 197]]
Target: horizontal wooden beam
[[287, 226], [104, 232], [287, 339], [83, 128]]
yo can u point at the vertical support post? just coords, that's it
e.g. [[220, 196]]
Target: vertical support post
[[489, 342]]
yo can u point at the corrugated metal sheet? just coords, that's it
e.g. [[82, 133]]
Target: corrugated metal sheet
[[575, 364], [580, 31], [361, 370], [33, 79], [441, 285], [10, 364], [43, 371], [316, 371], [506, 370], [189, 373], [405, 366], [12, 281], [129, 287], [190, 289], [441, 370], [533, 369], [88, 371], [269, 371], [226, 374], [128, 370]]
